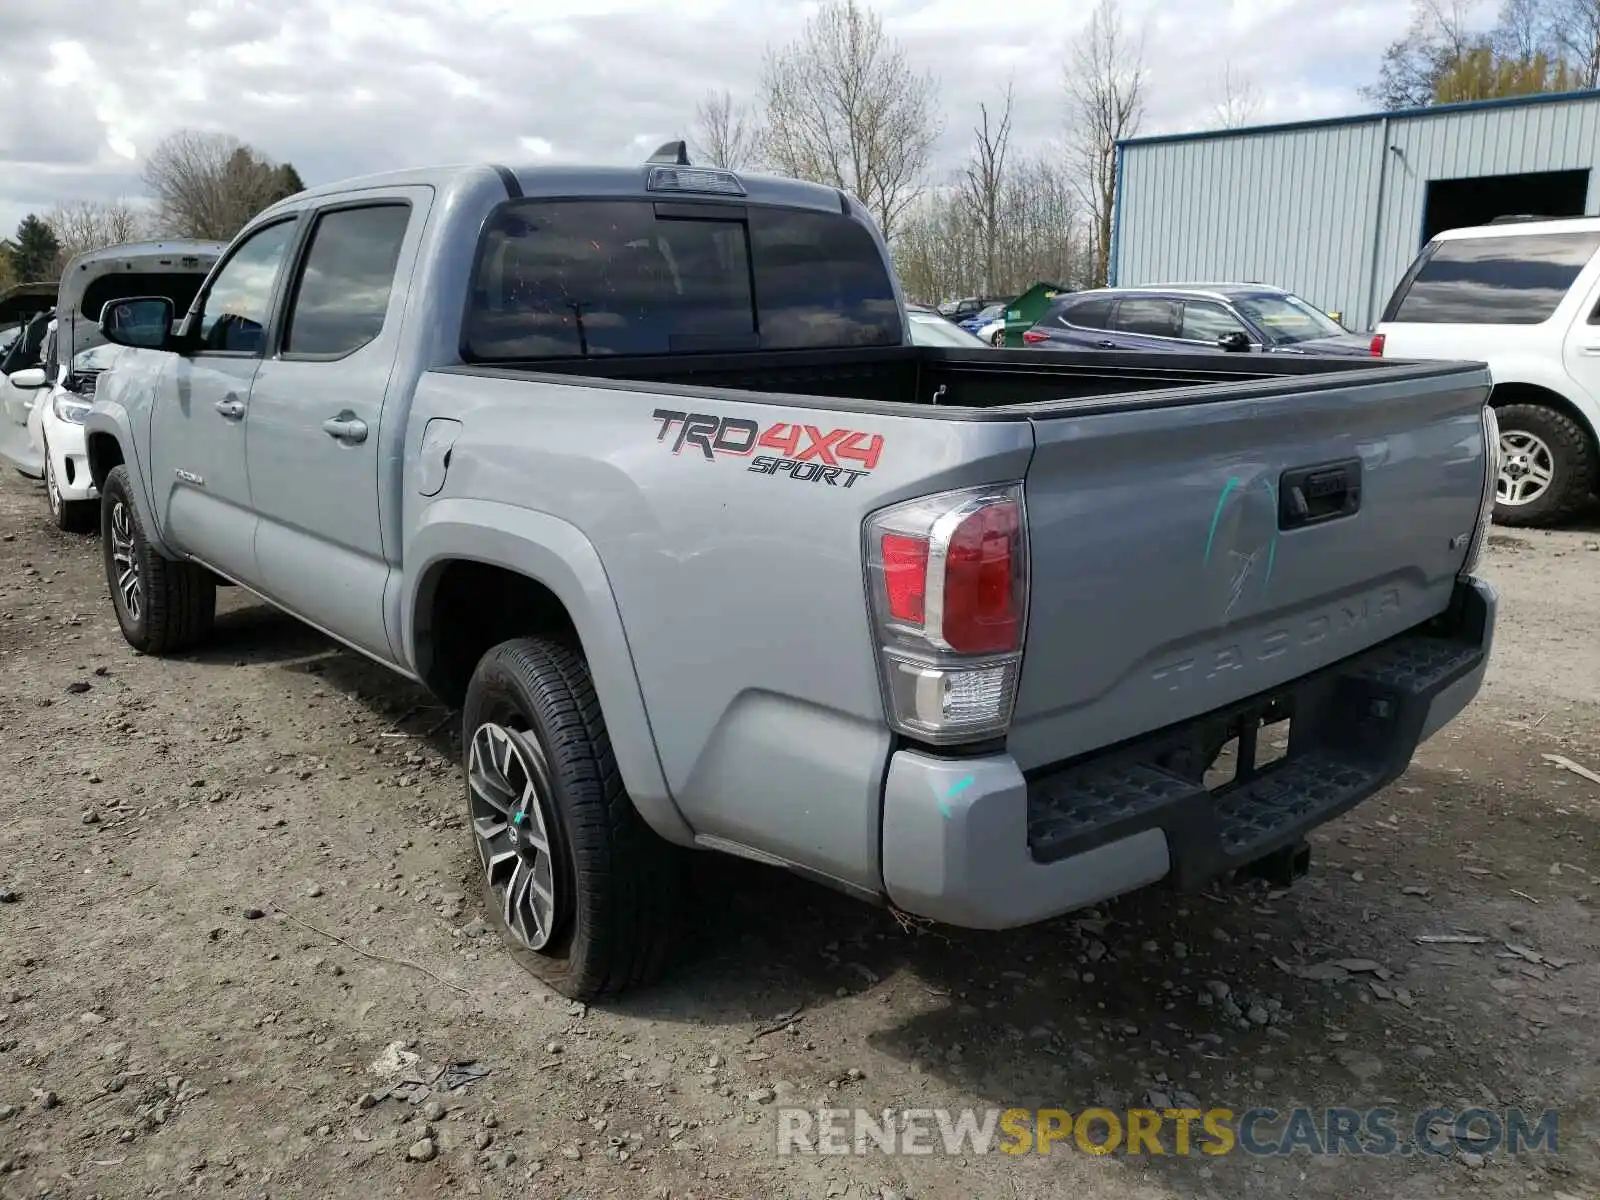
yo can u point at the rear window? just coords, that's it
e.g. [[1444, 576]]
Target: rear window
[[1491, 280], [594, 278]]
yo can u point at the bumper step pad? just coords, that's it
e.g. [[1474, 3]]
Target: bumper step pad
[[1354, 729]]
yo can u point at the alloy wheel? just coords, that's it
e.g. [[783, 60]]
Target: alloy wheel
[[51, 491], [509, 793], [125, 557], [1527, 468]]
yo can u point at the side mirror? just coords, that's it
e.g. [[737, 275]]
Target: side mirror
[[28, 379], [142, 322], [1234, 343]]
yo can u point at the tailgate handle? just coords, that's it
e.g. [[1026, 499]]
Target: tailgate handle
[[1312, 495]]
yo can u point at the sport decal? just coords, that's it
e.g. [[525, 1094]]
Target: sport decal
[[806, 453]]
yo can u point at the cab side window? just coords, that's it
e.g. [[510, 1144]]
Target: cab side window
[[342, 296], [234, 319]]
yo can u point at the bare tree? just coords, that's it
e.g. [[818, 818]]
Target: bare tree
[[1441, 34], [1238, 101], [1522, 32], [1105, 103], [983, 181], [725, 133], [941, 252], [207, 185], [84, 225], [844, 107], [1575, 30]]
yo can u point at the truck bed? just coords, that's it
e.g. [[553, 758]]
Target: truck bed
[[1023, 382]]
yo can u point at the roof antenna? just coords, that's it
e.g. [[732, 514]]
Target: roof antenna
[[674, 153]]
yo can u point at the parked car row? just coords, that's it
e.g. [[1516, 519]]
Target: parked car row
[[1522, 297]]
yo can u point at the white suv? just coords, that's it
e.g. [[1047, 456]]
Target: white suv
[[1522, 296]]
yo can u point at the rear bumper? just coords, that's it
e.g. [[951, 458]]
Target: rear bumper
[[975, 843]]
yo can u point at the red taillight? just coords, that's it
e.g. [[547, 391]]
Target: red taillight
[[1377, 345], [947, 576], [1033, 337], [982, 604], [905, 576]]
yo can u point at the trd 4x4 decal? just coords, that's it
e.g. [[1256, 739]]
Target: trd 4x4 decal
[[802, 452]]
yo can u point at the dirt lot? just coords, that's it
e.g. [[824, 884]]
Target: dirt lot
[[234, 882]]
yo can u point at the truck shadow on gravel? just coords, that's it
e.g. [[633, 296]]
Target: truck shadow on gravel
[[1156, 1000]]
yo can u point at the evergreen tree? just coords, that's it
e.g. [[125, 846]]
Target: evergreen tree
[[34, 251]]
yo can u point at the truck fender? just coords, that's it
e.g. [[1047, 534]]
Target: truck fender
[[556, 554], [110, 419]]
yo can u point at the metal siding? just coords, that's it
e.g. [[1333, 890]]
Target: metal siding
[[1300, 208]]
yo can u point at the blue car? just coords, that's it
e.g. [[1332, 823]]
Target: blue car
[[1192, 318], [983, 317]]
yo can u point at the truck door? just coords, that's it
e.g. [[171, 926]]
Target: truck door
[[1582, 350], [197, 435], [315, 440]]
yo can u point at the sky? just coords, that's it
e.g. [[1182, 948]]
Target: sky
[[344, 87]]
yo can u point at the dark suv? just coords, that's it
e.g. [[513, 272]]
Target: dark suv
[[1191, 318]]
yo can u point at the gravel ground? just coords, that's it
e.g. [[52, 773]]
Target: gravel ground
[[237, 889]]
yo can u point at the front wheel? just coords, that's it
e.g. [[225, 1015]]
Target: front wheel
[[163, 606], [1548, 466], [585, 894], [70, 516]]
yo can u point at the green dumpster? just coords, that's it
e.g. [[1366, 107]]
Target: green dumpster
[[1026, 310]]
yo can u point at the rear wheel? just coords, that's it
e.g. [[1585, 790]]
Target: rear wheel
[[584, 893], [1548, 467], [162, 606]]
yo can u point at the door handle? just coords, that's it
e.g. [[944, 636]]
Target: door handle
[[346, 427], [1106, 344], [1592, 349], [231, 408]]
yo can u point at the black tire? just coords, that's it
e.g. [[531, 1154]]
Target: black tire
[[70, 516], [177, 601], [1573, 462], [998, 341], [618, 886]]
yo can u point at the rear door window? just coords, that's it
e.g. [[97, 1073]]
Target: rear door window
[[1087, 314], [1492, 280], [342, 296], [1148, 316], [561, 279]]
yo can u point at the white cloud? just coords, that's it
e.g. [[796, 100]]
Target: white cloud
[[343, 87]]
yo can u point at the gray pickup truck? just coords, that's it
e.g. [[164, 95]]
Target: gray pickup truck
[[640, 468]]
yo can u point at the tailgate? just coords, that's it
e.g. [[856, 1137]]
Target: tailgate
[[1173, 569]]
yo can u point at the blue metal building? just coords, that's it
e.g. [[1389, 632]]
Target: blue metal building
[[1336, 209]]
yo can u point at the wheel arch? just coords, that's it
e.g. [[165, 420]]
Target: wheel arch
[[105, 454], [108, 442], [1504, 395], [480, 572]]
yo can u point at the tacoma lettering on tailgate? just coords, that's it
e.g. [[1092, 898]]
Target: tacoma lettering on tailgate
[[805, 453], [1274, 641]]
